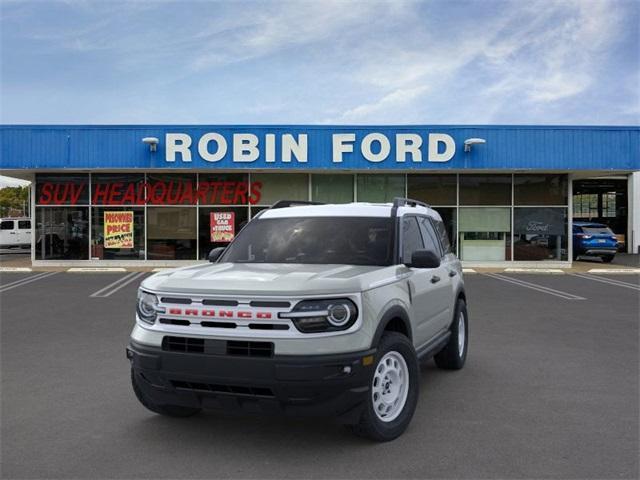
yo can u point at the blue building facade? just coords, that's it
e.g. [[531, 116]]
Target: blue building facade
[[166, 193]]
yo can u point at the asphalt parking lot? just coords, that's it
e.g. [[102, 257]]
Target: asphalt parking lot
[[550, 390]]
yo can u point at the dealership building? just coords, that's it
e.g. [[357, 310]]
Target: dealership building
[[168, 194]]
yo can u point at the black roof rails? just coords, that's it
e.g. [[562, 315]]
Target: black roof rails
[[409, 202], [293, 203]]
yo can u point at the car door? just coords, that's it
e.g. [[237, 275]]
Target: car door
[[24, 232], [422, 284], [8, 234], [447, 272]]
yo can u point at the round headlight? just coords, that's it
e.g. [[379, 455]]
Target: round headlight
[[147, 306], [339, 314]]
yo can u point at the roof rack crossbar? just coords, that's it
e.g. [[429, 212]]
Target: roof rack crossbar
[[409, 202], [293, 203]]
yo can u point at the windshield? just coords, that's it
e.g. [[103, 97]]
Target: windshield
[[342, 240]]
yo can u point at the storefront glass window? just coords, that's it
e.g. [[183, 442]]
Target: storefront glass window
[[540, 189], [332, 188], [485, 189], [433, 189], [62, 189], [117, 189], [281, 186], [117, 233], [380, 188], [227, 189], [485, 234], [171, 233], [540, 234], [218, 226], [62, 233], [171, 189]]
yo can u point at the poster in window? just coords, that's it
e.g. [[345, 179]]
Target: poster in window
[[118, 229], [222, 226]]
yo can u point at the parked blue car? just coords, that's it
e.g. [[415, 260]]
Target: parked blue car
[[595, 239]]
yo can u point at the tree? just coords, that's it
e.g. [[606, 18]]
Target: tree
[[14, 200]]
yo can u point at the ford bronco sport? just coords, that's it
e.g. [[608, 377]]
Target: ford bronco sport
[[312, 309]]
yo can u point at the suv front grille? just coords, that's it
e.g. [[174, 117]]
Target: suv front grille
[[250, 349], [215, 388], [217, 347], [183, 344]]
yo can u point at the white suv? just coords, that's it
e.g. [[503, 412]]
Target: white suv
[[312, 309]]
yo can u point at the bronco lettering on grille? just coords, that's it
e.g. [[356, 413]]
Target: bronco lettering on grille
[[209, 312]]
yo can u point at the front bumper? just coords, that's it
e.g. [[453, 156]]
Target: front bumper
[[599, 251], [313, 385]]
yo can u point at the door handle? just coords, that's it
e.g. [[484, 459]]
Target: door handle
[[435, 279], [452, 273]]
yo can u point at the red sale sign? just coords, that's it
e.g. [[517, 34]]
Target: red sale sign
[[222, 226]]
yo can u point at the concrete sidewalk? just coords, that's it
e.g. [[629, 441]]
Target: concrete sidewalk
[[17, 259]]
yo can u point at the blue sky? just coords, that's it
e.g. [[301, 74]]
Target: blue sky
[[321, 62]]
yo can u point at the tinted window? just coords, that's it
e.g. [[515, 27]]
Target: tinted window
[[444, 238], [7, 225], [62, 189], [315, 240], [433, 189], [411, 238], [485, 189], [24, 224], [430, 237], [594, 230]]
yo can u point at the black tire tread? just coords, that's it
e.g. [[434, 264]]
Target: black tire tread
[[448, 358], [369, 425]]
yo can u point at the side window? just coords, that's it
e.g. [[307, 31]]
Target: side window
[[430, 238], [444, 237], [6, 225], [24, 224], [411, 238]]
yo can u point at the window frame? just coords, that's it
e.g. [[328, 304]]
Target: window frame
[[402, 239], [435, 237]]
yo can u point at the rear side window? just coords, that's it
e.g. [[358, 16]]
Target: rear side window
[[411, 238], [430, 237], [444, 237], [24, 224], [597, 230], [6, 225]]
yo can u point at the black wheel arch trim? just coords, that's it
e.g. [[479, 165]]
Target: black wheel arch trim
[[392, 313]]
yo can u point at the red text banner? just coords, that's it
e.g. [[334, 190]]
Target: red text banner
[[154, 193]]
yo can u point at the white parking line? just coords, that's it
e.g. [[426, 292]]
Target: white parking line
[[24, 281], [117, 285], [610, 281], [614, 270], [535, 286]]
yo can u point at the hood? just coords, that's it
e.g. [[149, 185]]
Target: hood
[[269, 279]]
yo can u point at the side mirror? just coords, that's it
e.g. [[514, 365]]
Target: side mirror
[[424, 259], [215, 254]]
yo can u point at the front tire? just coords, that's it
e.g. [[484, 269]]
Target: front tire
[[607, 258], [393, 395], [166, 410], [454, 354]]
